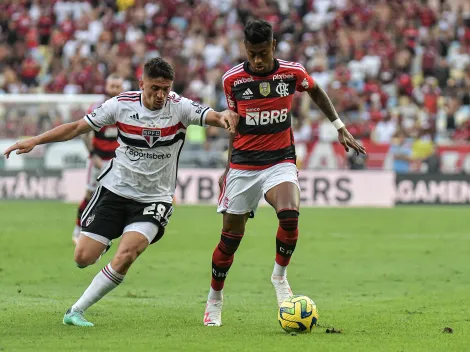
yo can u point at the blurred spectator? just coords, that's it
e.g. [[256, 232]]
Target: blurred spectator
[[384, 130], [401, 150]]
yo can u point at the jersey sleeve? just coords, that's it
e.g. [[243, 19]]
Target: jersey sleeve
[[231, 102], [304, 80], [193, 113], [103, 115]]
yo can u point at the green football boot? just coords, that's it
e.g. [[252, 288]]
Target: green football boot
[[76, 318]]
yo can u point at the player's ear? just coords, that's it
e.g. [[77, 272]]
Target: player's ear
[[274, 44], [141, 84]]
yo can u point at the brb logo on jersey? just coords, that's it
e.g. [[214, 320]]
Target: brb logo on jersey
[[151, 136], [256, 118]]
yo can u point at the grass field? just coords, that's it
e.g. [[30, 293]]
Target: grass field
[[391, 279]]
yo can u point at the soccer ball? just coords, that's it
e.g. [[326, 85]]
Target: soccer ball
[[298, 314]]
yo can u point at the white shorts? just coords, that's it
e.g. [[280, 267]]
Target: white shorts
[[92, 174], [242, 189]]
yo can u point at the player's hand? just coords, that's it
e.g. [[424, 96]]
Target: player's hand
[[21, 147], [348, 141], [230, 120]]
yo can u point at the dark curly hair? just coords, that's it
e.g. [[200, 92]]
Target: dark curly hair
[[158, 67]]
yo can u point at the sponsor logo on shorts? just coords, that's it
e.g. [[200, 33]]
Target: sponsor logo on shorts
[[135, 155], [90, 219]]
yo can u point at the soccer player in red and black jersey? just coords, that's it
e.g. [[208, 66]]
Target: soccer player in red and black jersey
[[262, 156], [101, 146]]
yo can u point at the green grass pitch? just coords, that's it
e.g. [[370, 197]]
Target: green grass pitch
[[390, 279]]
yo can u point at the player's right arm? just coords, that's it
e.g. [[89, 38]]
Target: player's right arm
[[60, 133], [103, 115]]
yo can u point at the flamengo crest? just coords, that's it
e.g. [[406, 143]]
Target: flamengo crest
[[151, 136], [282, 89]]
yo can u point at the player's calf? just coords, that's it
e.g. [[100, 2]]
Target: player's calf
[[131, 246], [222, 258], [112, 275], [287, 234], [286, 240]]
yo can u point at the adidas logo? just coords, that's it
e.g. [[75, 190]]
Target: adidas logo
[[135, 116], [247, 92]]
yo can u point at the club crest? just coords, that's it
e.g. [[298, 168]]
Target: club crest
[[90, 219], [264, 88], [151, 136]]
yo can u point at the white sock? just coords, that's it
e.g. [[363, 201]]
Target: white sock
[[76, 231], [279, 271], [105, 281], [216, 295]]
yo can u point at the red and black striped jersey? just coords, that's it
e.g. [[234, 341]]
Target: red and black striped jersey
[[104, 141], [264, 135]]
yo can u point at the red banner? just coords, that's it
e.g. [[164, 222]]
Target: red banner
[[321, 155]]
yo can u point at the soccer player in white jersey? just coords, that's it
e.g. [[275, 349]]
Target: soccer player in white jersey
[[136, 189]]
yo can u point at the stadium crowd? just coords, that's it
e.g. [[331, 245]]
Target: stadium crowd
[[393, 68]]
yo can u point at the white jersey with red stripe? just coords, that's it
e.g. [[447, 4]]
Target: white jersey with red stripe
[[150, 142]]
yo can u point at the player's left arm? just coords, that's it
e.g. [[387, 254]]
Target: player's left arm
[[306, 83]]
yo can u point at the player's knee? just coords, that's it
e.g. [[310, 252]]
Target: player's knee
[[83, 259], [235, 222], [126, 257], [288, 219]]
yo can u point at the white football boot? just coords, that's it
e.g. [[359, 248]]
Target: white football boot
[[281, 285], [213, 313]]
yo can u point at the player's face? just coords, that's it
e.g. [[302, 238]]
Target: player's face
[[260, 56], [155, 91], [113, 87]]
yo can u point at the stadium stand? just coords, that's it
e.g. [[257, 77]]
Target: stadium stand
[[392, 68]]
